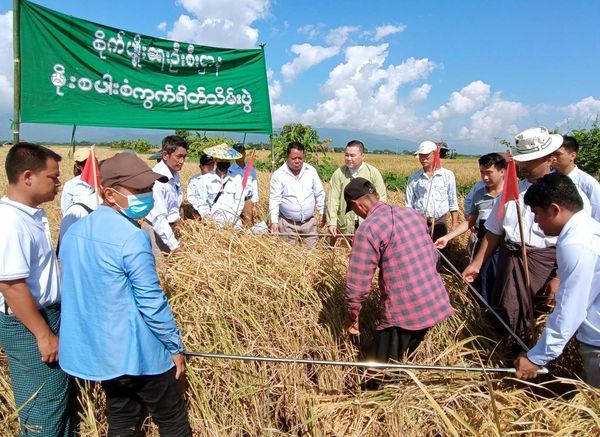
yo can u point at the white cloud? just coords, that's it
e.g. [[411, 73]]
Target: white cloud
[[361, 93], [471, 97], [283, 114], [585, 111], [339, 35], [222, 23], [496, 120], [6, 67], [308, 56], [420, 93], [387, 30], [312, 31], [274, 86], [162, 26]]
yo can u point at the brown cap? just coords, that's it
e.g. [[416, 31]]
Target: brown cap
[[128, 170], [357, 188]]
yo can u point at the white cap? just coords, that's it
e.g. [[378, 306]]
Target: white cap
[[426, 147]]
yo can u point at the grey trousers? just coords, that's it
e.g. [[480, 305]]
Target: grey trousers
[[591, 364], [290, 227]]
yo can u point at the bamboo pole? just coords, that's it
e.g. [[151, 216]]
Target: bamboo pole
[[523, 246], [16, 127]]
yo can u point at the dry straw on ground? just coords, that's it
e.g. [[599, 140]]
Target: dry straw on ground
[[237, 293]]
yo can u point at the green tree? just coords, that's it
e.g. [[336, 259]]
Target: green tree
[[588, 158]]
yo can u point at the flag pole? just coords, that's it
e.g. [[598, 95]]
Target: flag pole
[[523, 246], [95, 174], [73, 140], [17, 70]]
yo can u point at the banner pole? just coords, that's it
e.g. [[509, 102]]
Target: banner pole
[[73, 140], [272, 153], [17, 70]]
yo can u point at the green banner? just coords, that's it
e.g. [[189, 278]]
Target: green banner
[[77, 72]]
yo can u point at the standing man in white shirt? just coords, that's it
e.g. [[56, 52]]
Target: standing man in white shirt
[[75, 190], [296, 191], [30, 292], [510, 295], [432, 192], [558, 210], [564, 162], [168, 196]]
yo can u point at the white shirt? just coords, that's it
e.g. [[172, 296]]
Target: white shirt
[[354, 171], [578, 296], [168, 197], [295, 197], [237, 171], [590, 186], [443, 193], [203, 190], [534, 236], [75, 212], [74, 191], [27, 252]]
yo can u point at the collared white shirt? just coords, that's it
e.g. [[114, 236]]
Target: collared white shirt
[[295, 197], [578, 296], [442, 198], [74, 191], [534, 236], [27, 252], [168, 197], [236, 171], [590, 186], [203, 190]]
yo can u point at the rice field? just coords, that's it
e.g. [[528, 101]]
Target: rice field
[[238, 293]]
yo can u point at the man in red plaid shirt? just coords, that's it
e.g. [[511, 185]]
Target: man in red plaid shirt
[[412, 294]]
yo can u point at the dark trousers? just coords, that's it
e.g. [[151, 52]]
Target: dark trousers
[[392, 344], [160, 394]]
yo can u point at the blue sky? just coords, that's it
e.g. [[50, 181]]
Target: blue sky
[[469, 72]]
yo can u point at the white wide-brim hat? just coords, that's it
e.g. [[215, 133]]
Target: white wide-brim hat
[[223, 151], [426, 147], [535, 143]]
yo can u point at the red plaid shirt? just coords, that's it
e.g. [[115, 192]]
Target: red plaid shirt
[[412, 293]]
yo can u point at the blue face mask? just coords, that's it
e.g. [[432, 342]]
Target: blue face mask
[[140, 205]]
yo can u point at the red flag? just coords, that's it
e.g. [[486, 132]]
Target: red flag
[[249, 165], [437, 162], [91, 173], [510, 190]]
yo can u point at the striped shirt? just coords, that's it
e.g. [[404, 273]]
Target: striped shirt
[[412, 293]]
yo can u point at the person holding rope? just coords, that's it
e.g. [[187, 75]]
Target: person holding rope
[[518, 280], [338, 220], [558, 210], [432, 192], [477, 209], [30, 293], [295, 192], [412, 294], [117, 326]]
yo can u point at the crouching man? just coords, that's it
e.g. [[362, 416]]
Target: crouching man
[[117, 326], [413, 296], [558, 209]]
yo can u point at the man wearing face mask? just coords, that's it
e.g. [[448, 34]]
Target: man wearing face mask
[[117, 326], [219, 196]]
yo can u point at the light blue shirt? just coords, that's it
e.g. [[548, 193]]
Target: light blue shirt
[[115, 318], [578, 297], [236, 171]]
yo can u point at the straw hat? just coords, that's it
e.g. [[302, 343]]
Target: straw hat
[[223, 151], [81, 155]]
